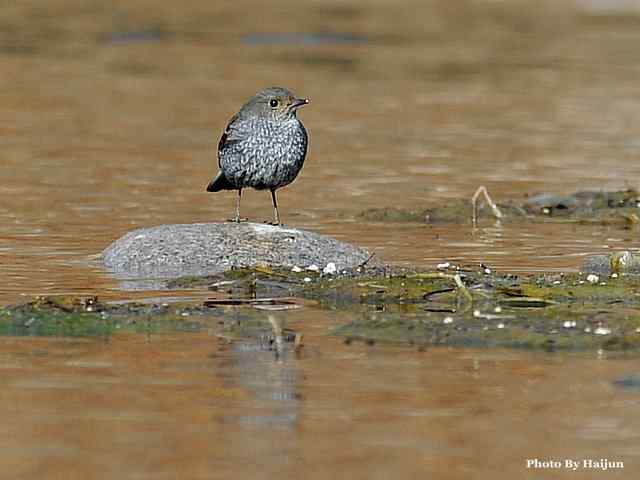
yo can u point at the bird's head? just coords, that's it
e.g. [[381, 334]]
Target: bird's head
[[275, 103]]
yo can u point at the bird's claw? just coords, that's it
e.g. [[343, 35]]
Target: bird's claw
[[237, 219]]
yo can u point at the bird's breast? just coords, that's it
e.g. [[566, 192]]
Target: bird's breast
[[269, 155]]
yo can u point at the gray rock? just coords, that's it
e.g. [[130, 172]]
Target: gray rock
[[172, 251], [617, 262]]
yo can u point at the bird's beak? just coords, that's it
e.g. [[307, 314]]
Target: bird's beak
[[299, 102]]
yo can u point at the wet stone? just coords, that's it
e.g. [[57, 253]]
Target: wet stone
[[614, 263], [629, 382], [172, 251]]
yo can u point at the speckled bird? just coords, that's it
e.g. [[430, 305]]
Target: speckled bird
[[263, 146]]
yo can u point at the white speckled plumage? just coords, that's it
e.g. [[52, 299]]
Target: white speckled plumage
[[263, 147], [269, 154]]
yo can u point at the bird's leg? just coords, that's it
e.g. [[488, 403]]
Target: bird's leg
[[237, 218], [276, 216]]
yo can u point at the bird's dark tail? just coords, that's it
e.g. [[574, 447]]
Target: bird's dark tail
[[219, 183]]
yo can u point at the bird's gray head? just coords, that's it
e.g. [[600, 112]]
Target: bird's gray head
[[274, 103]]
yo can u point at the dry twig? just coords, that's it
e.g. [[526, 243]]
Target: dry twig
[[474, 202]]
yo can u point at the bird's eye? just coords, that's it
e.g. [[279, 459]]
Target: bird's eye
[[274, 103]]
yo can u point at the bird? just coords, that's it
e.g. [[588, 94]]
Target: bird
[[263, 146]]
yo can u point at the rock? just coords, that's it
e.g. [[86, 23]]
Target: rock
[[172, 251], [629, 382], [618, 262]]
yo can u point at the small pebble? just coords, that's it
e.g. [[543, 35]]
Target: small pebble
[[313, 268], [591, 278], [296, 269], [638, 330], [500, 325], [614, 275], [587, 330], [557, 282], [330, 269], [307, 279], [443, 266], [569, 324], [602, 331], [498, 309], [447, 320], [476, 313]]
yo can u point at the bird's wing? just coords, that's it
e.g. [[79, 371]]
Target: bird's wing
[[229, 137]]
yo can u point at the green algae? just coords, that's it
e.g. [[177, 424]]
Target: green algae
[[471, 307], [555, 312], [454, 306], [550, 329], [564, 312], [391, 214], [89, 317], [589, 207], [55, 324]]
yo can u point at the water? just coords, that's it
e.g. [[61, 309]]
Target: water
[[187, 405], [110, 118]]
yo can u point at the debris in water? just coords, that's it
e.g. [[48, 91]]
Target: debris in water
[[474, 203], [330, 269], [602, 331]]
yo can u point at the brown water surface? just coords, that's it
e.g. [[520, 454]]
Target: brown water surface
[[110, 114], [110, 118], [188, 406]]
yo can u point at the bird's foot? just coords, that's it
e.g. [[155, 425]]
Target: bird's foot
[[237, 219], [274, 223]]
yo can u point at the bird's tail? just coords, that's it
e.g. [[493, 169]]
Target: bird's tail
[[219, 183]]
